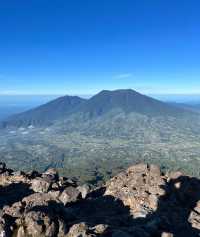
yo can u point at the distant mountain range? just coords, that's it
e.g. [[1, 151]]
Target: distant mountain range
[[190, 107], [128, 101]]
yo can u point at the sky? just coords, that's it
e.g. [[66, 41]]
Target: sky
[[84, 46]]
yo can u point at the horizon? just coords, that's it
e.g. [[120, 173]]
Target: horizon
[[85, 46], [38, 99]]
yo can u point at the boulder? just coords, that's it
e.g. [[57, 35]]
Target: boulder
[[69, 195], [40, 185], [139, 188], [165, 234], [16, 210], [79, 230], [138, 202], [21, 232], [51, 175], [100, 229], [84, 190]]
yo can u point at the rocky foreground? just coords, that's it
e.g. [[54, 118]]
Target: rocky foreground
[[140, 202]]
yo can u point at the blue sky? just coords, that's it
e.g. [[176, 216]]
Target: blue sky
[[84, 46]]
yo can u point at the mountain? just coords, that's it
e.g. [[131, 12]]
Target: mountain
[[141, 201], [46, 114], [128, 101]]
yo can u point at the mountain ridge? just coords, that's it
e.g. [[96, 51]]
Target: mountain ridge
[[129, 101], [105, 101]]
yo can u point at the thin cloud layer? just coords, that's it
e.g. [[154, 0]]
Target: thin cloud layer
[[125, 75]]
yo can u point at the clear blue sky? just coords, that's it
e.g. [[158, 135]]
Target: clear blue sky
[[83, 46]]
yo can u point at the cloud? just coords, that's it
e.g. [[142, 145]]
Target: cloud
[[124, 75]]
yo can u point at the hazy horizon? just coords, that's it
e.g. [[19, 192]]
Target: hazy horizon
[[45, 97]]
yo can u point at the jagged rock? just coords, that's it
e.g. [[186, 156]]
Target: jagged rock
[[194, 219], [70, 194], [54, 194], [38, 199], [21, 232], [51, 175], [100, 229], [139, 202], [78, 230], [34, 223], [167, 235], [40, 185], [15, 210], [65, 182], [63, 230], [84, 189], [2, 228], [40, 221], [139, 188], [33, 174], [55, 186]]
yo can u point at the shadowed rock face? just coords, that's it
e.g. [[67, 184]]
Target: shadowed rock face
[[139, 202]]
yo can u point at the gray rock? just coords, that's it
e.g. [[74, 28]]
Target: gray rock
[[84, 189], [40, 185], [39, 224], [51, 175], [70, 194], [21, 232], [100, 229], [165, 234], [16, 210], [78, 230]]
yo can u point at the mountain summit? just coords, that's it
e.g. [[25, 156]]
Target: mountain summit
[[45, 114], [128, 101]]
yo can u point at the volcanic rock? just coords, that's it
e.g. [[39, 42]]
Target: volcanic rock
[[139, 202]]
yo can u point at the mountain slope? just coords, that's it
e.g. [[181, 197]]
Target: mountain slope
[[128, 101], [100, 105], [189, 107], [44, 115], [128, 114]]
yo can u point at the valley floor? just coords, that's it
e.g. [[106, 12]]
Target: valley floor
[[94, 159]]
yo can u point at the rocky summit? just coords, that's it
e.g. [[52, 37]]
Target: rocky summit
[[139, 202]]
